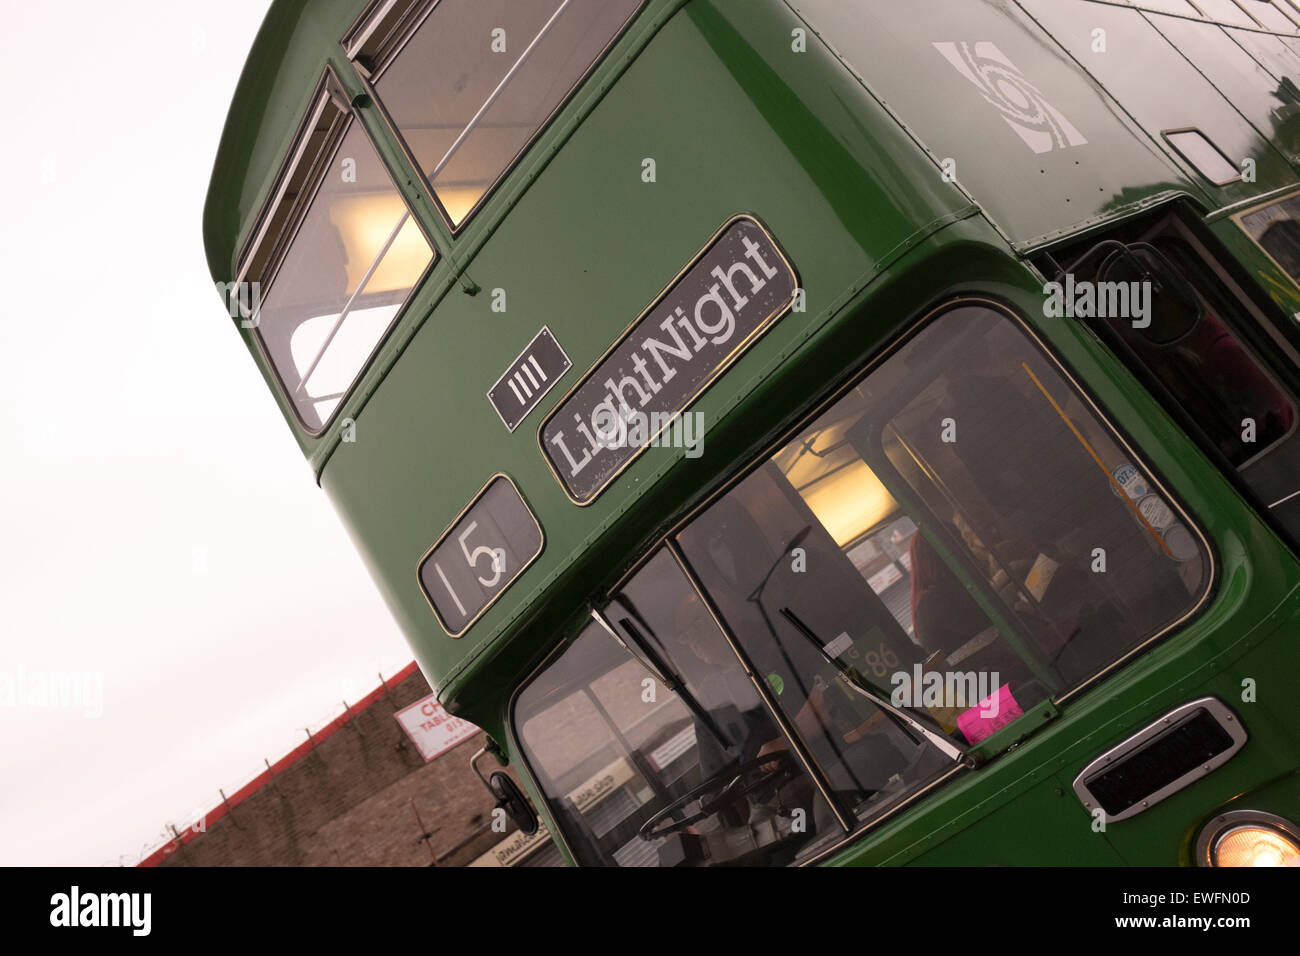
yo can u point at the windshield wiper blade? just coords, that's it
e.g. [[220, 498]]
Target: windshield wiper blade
[[656, 666], [852, 680]]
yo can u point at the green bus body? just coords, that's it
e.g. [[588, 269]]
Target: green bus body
[[839, 149]]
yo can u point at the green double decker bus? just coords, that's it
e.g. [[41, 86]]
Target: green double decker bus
[[807, 431]]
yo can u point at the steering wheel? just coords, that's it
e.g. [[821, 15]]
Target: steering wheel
[[729, 786]]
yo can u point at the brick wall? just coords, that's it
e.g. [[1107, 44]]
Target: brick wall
[[347, 800]]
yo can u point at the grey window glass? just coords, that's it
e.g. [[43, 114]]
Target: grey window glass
[[344, 278], [479, 79], [1277, 230], [966, 466], [1208, 370], [614, 749], [1196, 148]]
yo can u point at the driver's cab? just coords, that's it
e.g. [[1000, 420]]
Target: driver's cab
[[871, 608]]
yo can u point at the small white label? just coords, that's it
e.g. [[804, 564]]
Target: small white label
[[1131, 481], [838, 646], [1156, 512]]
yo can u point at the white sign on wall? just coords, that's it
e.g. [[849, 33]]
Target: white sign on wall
[[432, 729]]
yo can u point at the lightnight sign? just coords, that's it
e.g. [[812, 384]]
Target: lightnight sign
[[735, 289]]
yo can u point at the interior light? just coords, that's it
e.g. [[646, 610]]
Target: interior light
[[838, 486], [458, 200], [365, 223]]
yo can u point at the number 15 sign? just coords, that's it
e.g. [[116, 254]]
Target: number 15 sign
[[495, 538]]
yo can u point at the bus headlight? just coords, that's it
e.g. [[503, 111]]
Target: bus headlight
[[1249, 838]]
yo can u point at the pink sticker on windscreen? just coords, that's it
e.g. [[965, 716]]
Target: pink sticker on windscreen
[[992, 713]]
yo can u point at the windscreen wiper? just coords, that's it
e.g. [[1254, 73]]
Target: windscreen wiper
[[854, 682], [658, 667]]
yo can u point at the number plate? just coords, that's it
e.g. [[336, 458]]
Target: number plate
[[495, 538]]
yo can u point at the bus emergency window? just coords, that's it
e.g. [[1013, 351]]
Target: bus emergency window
[[343, 280], [479, 79], [635, 771], [1195, 147], [1203, 363], [1211, 353], [1037, 554]]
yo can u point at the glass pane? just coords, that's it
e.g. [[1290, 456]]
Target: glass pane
[[1196, 148], [966, 474], [620, 755], [1205, 366], [1277, 230], [479, 78], [342, 281]]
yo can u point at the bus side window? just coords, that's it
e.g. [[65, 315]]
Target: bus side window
[[1206, 352]]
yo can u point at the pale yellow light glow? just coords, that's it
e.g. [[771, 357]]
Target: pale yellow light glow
[[850, 502], [458, 200], [836, 484], [364, 224], [1255, 846]]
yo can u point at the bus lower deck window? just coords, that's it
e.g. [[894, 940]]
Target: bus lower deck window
[[959, 535]]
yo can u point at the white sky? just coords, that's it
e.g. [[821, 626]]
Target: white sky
[[158, 525]]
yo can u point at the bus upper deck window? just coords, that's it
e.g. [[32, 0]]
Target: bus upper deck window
[[344, 275], [477, 80]]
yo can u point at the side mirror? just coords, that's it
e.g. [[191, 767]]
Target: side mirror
[[512, 800]]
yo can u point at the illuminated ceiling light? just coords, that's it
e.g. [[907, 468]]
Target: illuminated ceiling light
[[365, 223], [845, 495]]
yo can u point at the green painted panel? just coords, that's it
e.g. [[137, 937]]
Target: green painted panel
[[1011, 834], [1160, 89], [1037, 143], [1272, 107], [735, 121]]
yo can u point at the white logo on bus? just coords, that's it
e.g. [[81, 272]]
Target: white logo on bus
[[1026, 110]]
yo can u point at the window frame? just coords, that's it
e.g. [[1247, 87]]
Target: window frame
[[666, 540], [1267, 202], [1168, 136], [328, 92], [404, 31]]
